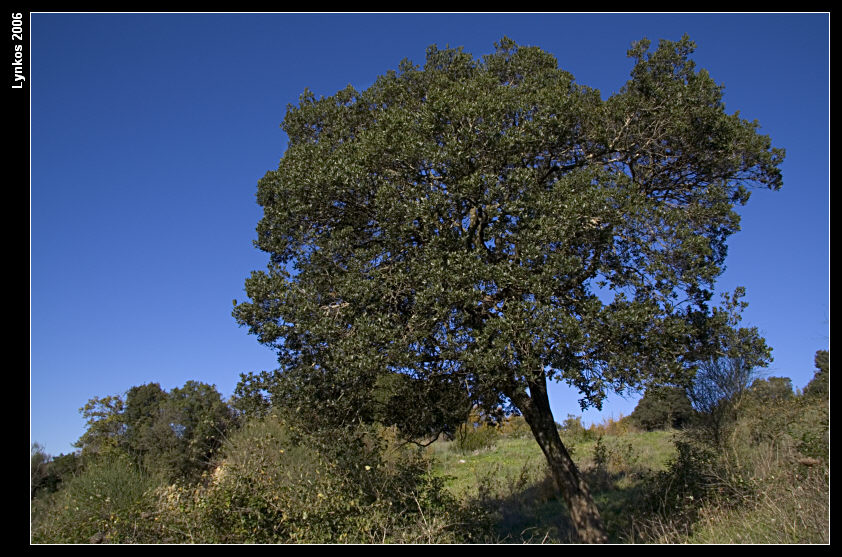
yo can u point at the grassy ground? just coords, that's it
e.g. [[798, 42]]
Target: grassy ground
[[770, 484], [511, 478]]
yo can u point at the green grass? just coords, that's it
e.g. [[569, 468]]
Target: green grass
[[512, 480], [507, 458], [629, 453]]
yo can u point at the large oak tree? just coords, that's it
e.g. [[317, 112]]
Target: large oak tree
[[490, 224]]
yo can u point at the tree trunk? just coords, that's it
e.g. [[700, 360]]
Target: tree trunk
[[583, 511]]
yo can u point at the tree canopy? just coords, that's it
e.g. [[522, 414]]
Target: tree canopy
[[772, 389], [819, 385], [663, 407], [492, 223], [174, 433]]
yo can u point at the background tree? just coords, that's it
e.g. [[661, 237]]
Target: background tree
[[724, 377], [663, 407], [144, 434], [492, 222], [197, 419], [48, 472], [106, 427], [174, 434], [38, 460], [771, 389], [819, 385]]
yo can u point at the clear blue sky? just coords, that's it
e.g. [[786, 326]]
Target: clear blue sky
[[149, 133]]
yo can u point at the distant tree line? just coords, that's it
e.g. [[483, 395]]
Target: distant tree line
[[171, 434], [721, 386]]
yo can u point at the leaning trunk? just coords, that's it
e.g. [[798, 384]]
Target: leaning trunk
[[583, 511]]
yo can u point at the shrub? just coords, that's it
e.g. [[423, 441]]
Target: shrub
[[480, 431], [611, 427], [515, 427], [110, 501], [573, 430], [472, 437], [799, 424], [278, 484]]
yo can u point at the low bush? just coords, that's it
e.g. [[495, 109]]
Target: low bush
[[109, 502], [572, 431], [515, 427], [476, 437], [277, 484]]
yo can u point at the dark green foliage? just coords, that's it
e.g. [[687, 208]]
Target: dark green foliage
[[454, 222], [47, 473], [771, 389], [663, 408], [819, 385], [146, 434], [315, 397], [197, 420], [173, 434], [402, 219], [421, 409], [278, 484]]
